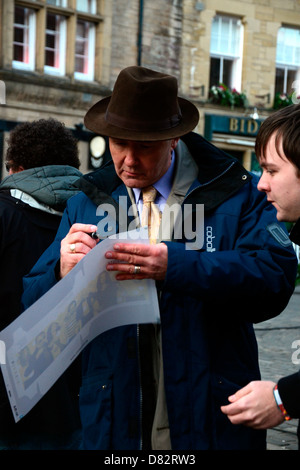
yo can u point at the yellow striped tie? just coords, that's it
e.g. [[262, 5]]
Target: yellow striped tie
[[151, 215]]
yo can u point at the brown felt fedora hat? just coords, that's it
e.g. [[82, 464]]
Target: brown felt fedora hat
[[143, 106]]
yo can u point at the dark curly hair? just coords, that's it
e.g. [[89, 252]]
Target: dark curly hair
[[40, 143]]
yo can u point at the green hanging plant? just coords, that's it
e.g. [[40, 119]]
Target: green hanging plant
[[281, 100], [225, 96]]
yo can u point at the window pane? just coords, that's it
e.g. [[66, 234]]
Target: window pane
[[55, 44], [291, 78], [21, 34], [58, 3], [82, 47], [225, 36], [220, 71], [214, 71], [80, 29], [89, 6], [50, 58], [85, 50], [288, 46], [51, 21], [24, 38], [279, 83], [227, 72], [18, 35], [50, 41], [79, 64], [287, 59], [18, 53], [19, 15]]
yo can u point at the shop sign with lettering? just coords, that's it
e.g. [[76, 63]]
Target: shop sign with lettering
[[245, 126]]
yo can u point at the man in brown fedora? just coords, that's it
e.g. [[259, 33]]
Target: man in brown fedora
[[161, 386]]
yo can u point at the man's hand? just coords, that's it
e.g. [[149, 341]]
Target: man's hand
[[254, 406], [152, 259], [75, 246]]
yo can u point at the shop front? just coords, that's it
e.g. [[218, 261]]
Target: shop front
[[236, 136]]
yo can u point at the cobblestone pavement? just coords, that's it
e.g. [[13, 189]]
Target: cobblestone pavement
[[275, 339]]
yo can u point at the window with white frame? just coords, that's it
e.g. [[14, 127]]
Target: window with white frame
[[226, 48], [55, 45], [287, 60], [88, 6], [85, 50], [24, 38]]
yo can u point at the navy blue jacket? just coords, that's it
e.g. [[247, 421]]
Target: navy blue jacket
[[209, 300], [289, 386]]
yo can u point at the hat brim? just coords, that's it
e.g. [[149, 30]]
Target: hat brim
[[95, 121]]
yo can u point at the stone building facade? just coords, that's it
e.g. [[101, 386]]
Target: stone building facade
[[58, 57]]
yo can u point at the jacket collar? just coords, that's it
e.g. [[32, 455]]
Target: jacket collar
[[220, 175], [212, 162]]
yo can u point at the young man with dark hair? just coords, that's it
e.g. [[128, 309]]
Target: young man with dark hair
[[265, 404]]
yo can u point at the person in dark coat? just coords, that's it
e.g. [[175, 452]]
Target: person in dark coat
[[43, 165], [161, 386], [266, 404]]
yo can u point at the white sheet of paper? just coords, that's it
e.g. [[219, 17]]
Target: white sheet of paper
[[44, 340]]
